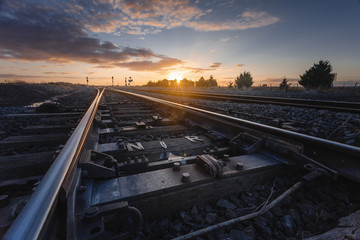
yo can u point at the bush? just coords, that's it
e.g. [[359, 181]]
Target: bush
[[245, 80], [159, 83], [211, 82], [186, 83], [201, 83], [319, 76], [284, 85]]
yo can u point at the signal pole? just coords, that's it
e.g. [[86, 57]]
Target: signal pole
[[112, 81], [87, 81], [125, 82]]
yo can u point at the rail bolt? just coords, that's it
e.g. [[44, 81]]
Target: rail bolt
[[226, 157], [81, 189], [186, 177], [239, 166], [176, 166], [91, 212]]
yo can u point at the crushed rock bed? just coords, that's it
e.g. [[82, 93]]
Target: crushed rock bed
[[22, 94], [335, 126], [348, 94], [313, 209], [81, 98]]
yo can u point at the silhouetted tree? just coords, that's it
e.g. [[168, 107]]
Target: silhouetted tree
[[150, 84], [319, 76], [212, 82], [202, 82], [173, 83], [186, 83], [284, 85], [164, 83], [230, 84], [244, 80], [159, 83]]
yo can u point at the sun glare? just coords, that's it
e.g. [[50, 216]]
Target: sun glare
[[175, 75]]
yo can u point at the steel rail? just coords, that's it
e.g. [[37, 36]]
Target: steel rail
[[344, 149], [31, 220], [294, 102]]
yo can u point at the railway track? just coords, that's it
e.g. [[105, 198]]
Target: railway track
[[337, 106], [133, 157]]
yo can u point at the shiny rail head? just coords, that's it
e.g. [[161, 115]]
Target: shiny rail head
[[30, 222]]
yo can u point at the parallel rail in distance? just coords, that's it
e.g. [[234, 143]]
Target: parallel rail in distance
[[304, 103], [31, 220], [342, 157]]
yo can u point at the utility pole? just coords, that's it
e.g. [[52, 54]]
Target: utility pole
[[87, 81], [125, 82], [112, 81]]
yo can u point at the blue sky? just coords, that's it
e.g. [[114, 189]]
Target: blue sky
[[44, 41]]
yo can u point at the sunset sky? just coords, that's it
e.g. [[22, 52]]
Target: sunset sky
[[69, 40]]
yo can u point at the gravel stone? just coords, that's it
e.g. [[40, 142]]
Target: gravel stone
[[177, 225], [288, 225], [341, 196], [198, 218], [326, 216], [210, 218], [229, 214], [223, 203], [277, 211], [187, 219], [239, 235], [194, 210], [250, 231], [259, 188], [208, 208], [261, 225]]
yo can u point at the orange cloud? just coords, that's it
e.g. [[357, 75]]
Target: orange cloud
[[52, 73], [159, 65], [215, 65], [249, 19], [152, 16]]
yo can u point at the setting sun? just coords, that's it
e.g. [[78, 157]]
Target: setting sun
[[175, 75]]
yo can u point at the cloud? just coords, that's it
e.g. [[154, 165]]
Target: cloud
[[144, 16], [44, 33], [247, 20], [63, 31], [224, 40], [215, 65], [104, 66], [239, 65], [212, 67], [150, 65], [163, 14], [18, 76], [212, 50], [197, 70], [52, 73]]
